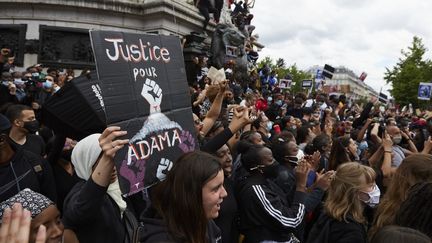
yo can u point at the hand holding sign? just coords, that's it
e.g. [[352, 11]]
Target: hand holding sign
[[153, 94]]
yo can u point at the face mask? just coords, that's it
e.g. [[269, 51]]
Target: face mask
[[278, 102], [5, 83], [374, 197], [31, 126], [300, 155], [57, 88], [269, 125], [271, 171], [47, 85], [18, 81], [35, 75], [397, 140]]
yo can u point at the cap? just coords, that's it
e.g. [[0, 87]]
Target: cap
[[4, 123]]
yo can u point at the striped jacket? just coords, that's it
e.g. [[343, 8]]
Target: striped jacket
[[265, 214]]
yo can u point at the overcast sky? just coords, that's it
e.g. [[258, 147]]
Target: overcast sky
[[362, 35]]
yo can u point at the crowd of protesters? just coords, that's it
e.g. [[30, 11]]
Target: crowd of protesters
[[273, 166]]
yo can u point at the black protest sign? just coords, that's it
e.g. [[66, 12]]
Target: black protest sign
[[328, 71], [307, 83], [145, 92]]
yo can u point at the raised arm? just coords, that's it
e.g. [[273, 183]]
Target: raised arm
[[215, 109]]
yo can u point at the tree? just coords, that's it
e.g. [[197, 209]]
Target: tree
[[408, 73]]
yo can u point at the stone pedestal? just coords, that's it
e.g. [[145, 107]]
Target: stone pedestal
[[65, 23]]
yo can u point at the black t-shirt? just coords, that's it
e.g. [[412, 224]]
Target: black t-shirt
[[26, 170], [64, 183], [34, 144]]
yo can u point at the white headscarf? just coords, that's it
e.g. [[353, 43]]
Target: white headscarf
[[84, 156]]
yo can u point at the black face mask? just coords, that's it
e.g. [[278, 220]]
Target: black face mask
[[271, 171], [32, 126], [291, 159]]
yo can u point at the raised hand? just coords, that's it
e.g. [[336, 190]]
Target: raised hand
[[315, 160], [387, 142], [324, 179], [12, 88], [108, 142], [15, 226], [153, 94], [301, 172], [427, 146], [165, 165], [223, 86]]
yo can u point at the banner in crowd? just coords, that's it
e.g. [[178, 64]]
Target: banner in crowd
[[145, 92], [319, 80], [363, 76], [424, 91], [285, 83], [307, 83], [383, 98], [328, 71]]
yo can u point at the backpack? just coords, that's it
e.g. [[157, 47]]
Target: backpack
[[133, 228]]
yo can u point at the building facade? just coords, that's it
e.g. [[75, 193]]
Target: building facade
[[345, 81], [55, 33]]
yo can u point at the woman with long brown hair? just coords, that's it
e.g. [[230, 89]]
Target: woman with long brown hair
[[352, 188], [414, 169], [343, 150], [186, 203]]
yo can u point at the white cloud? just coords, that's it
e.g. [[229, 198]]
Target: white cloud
[[361, 35]]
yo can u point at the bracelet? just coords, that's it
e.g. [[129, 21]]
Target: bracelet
[[387, 151]]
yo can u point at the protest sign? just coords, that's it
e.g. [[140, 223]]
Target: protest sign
[[328, 71], [383, 98], [216, 75], [363, 76], [285, 83], [145, 92], [307, 83], [424, 91]]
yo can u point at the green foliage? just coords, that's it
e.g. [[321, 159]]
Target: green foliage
[[408, 73], [282, 71]]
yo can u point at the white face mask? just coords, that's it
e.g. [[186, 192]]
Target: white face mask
[[374, 197], [300, 155]]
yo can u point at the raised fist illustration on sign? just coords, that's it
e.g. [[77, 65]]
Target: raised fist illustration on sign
[[163, 168], [153, 94]]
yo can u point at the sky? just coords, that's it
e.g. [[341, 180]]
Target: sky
[[362, 35]]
